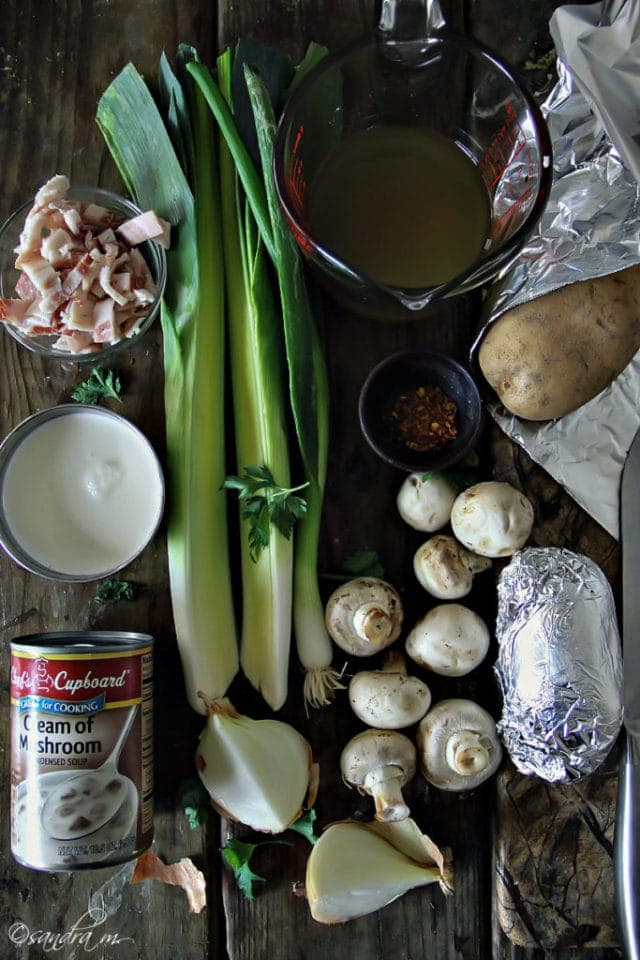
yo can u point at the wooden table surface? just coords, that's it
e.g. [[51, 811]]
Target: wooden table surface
[[56, 58]]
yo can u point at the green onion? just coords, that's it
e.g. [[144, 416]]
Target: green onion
[[193, 337], [260, 428]]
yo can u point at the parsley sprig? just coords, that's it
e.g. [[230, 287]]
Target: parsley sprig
[[238, 855], [195, 802], [100, 384], [111, 591], [264, 502]]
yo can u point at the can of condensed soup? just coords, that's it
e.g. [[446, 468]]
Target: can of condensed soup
[[81, 748]]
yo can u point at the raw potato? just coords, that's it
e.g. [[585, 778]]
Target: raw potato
[[548, 357]]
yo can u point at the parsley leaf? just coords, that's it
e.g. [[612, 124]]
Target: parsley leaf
[[238, 855], [111, 591], [264, 502], [98, 385], [304, 825], [195, 802]]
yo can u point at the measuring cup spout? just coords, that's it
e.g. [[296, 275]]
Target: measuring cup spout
[[409, 19]]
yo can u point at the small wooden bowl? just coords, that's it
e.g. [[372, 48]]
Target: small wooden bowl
[[405, 371]]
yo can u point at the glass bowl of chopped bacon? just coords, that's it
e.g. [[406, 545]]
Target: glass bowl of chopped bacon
[[420, 410], [82, 271]]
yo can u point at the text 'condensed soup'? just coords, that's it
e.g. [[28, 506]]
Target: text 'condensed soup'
[[81, 749], [82, 492]]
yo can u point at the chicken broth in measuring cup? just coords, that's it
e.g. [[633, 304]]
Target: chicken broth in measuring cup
[[405, 205]]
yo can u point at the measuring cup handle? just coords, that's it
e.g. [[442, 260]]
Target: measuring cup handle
[[410, 19]]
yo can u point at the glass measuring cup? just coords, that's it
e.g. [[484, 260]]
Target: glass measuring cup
[[441, 82]]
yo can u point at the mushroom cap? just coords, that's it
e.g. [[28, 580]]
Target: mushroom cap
[[492, 518], [388, 700], [372, 750], [425, 504], [444, 721], [364, 616], [445, 569], [450, 640]]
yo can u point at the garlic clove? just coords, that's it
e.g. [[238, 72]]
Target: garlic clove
[[354, 870], [255, 771]]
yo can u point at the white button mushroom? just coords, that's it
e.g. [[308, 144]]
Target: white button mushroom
[[458, 745], [424, 501], [445, 569], [364, 616], [380, 763], [388, 698], [450, 640], [492, 518]]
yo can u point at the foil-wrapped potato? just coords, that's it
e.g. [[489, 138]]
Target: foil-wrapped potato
[[559, 664]]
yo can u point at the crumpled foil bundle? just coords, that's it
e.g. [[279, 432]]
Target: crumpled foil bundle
[[591, 227], [559, 664]]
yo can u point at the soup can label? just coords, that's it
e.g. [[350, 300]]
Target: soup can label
[[81, 748]]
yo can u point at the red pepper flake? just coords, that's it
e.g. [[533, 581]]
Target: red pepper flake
[[425, 418]]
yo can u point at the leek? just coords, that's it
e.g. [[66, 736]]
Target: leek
[[308, 388], [192, 319], [260, 428], [309, 395]]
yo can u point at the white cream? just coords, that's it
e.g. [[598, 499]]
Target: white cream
[[83, 493]]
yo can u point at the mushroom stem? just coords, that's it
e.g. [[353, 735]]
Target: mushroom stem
[[384, 785], [466, 753], [372, 622]]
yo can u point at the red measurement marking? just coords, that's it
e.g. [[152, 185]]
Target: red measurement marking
[[506, 145], [501, 226], [296, 178]]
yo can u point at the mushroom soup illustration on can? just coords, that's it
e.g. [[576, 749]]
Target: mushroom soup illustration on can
[[81, 748]]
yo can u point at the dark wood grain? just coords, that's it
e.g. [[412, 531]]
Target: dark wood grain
[[55, 60]]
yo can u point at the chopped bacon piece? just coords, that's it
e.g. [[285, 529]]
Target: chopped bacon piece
[[97, 216], [58, 247], [76, 342], [25, 289], [104, 322], [146, 226], [78, 314], [54, 189], [13, 311]]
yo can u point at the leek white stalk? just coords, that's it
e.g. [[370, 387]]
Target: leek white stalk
[[256, 772], [256, 352], [308, 388], [309, 393], [355, 868], [193, 344]]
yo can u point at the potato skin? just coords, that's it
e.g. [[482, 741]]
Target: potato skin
[[547, 357]]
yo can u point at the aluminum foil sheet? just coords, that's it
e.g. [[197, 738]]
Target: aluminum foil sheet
[[591, 227], [559, 664]]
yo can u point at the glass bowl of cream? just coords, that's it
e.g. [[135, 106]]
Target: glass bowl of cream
[[81, 493], [82, 272]]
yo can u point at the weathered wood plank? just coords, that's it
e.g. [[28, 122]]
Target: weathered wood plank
[[56, 59]]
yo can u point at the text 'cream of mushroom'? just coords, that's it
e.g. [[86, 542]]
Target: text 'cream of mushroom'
[[81, 748]]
